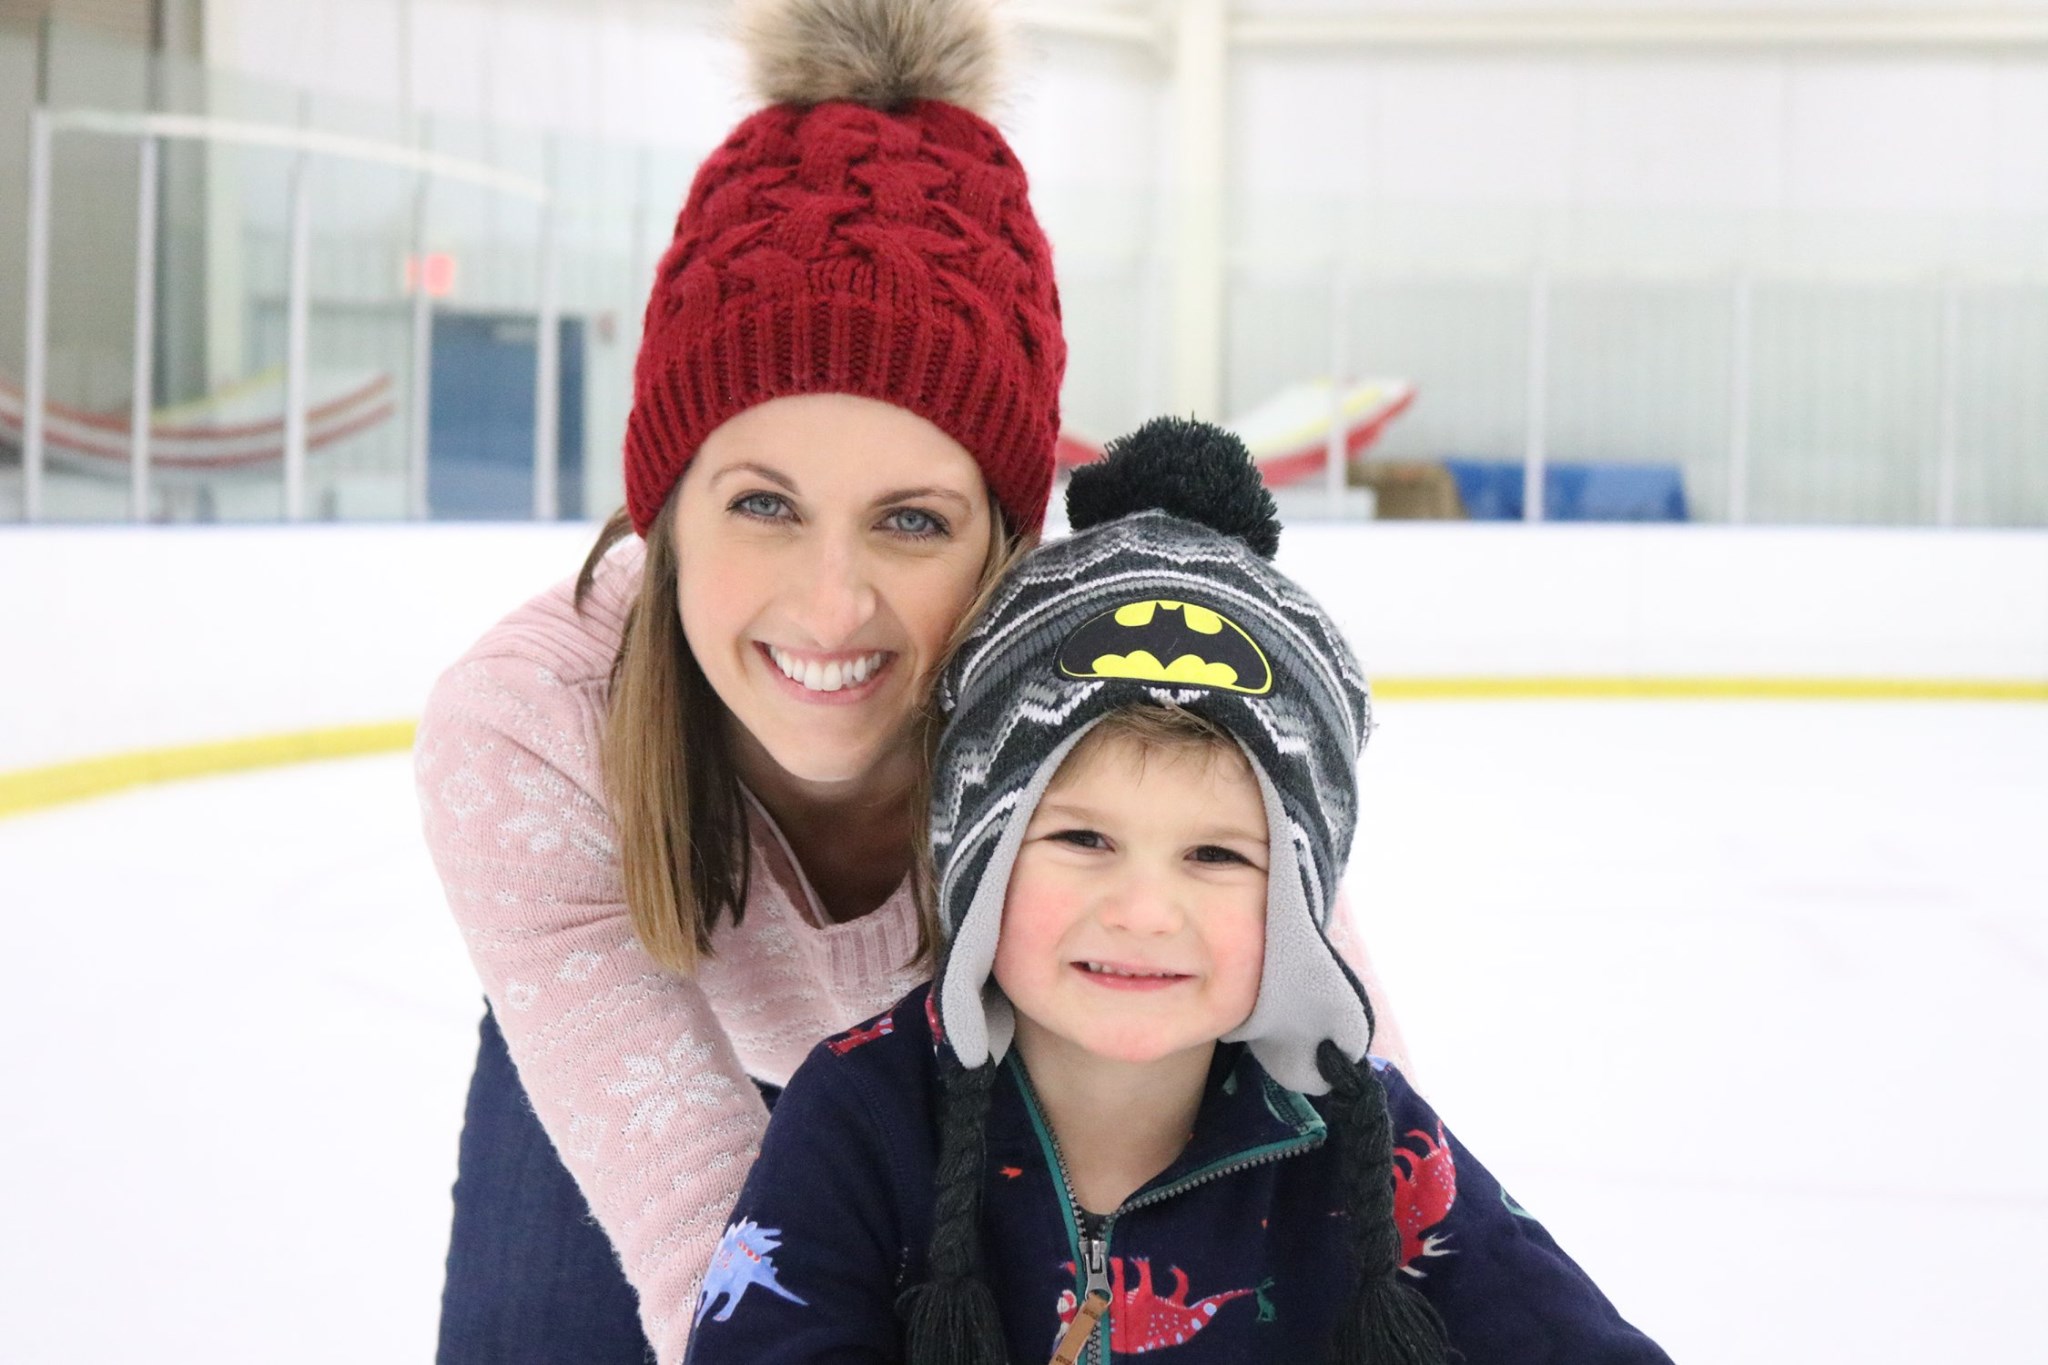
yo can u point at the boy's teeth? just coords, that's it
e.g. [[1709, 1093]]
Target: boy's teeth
[[831, 676]]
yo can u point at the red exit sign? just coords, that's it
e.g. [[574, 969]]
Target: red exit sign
[[433, 272]]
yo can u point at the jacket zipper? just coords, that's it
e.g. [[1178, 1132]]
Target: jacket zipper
[[1079, 1337], [1094, 1251], [1275, 1153], [1094, 1257], [1091, 1253]]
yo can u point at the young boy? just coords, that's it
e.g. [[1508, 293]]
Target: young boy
[[1134, 1112]]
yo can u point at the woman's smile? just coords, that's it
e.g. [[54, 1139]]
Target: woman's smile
[[838, 679]]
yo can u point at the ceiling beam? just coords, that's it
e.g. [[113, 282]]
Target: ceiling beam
[[1923, 33]]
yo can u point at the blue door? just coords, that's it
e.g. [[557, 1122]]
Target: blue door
[[480, 420]]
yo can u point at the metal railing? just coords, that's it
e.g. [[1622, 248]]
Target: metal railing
[[1734, 375], [150, 132]]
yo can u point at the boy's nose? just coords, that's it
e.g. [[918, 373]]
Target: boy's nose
[[1142, 904]]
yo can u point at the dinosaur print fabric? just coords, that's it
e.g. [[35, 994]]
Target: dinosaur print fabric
[[1143, 1318], [741, 1262], [1237, 1252]]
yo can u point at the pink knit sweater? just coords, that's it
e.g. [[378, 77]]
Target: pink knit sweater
[[640, 1077]]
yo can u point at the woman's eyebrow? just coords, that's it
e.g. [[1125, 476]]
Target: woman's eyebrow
[[912, 494], [774, 476]]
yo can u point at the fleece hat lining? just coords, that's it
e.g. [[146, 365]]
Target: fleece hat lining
[[1305, 994]]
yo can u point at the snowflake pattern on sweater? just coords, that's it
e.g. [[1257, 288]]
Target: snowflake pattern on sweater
[[641, 1078]]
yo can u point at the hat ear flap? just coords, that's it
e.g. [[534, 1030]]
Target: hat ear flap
[[1306, 993], [973, 1010]]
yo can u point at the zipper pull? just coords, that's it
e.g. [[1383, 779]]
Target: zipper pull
[[1095, 1251], [1094, 1303]]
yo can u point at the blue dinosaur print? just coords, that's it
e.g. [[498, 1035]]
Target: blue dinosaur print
[[741, 1262]]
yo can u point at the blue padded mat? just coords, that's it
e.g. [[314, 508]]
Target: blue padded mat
[[1492, 491]]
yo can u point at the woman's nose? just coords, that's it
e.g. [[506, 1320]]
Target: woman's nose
[[839, 597]]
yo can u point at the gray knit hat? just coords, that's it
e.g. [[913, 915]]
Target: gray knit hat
[[1162, 596]]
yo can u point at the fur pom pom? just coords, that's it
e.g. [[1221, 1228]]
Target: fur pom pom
[[881, 53], [1189, 469]]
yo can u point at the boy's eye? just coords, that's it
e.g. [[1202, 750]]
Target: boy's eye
[[916, 523], [1216, 853], [762, 506], [1079, 838]]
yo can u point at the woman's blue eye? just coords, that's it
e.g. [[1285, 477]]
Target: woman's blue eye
[[915, 521], [766, 506]]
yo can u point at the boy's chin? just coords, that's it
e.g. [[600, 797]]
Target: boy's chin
[[1143, 1050]]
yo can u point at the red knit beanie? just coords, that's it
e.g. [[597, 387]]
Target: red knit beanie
[[866, 234]]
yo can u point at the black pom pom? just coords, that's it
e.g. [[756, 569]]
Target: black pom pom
[[1182, 467]]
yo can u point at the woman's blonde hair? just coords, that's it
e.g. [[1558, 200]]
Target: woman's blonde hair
[[675, 797]]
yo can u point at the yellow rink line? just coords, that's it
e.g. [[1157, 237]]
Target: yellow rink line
[[38, 788], [1708, 689]]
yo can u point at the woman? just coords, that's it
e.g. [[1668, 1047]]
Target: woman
[[675, 806]]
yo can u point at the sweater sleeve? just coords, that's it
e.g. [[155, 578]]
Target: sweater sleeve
[[811, 1262], [630, 1071], [1508, 1294]]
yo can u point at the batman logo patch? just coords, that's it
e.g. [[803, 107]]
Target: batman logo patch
[[1182, 644]]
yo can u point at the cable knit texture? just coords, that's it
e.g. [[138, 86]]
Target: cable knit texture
[[639, 1077], [891, 254]]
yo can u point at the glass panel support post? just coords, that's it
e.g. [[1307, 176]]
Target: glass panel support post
[[1336, 459], [295, 384], [547, 362], [1946, 454], [142, 398], [36, 328], [418, 430], [1741, 331], [1534, 455]]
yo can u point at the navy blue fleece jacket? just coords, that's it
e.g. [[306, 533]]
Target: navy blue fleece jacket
[[1236, 1253]]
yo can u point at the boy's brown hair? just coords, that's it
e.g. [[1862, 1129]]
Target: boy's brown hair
[[1153, 728]]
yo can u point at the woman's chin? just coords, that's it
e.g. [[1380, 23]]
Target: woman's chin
[[821, 744], [816, 760]]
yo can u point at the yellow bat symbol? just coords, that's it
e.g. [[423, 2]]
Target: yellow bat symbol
[[1183, 644]]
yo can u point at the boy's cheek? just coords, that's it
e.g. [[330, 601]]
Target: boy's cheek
[[1241, 962], [1036, 916]]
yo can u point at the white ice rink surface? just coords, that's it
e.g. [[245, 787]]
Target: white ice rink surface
[[1748, 1002]]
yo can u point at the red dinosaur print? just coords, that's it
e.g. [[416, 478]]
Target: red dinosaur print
[[1140, 1319], [1425, 1187], [854, 1037]]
